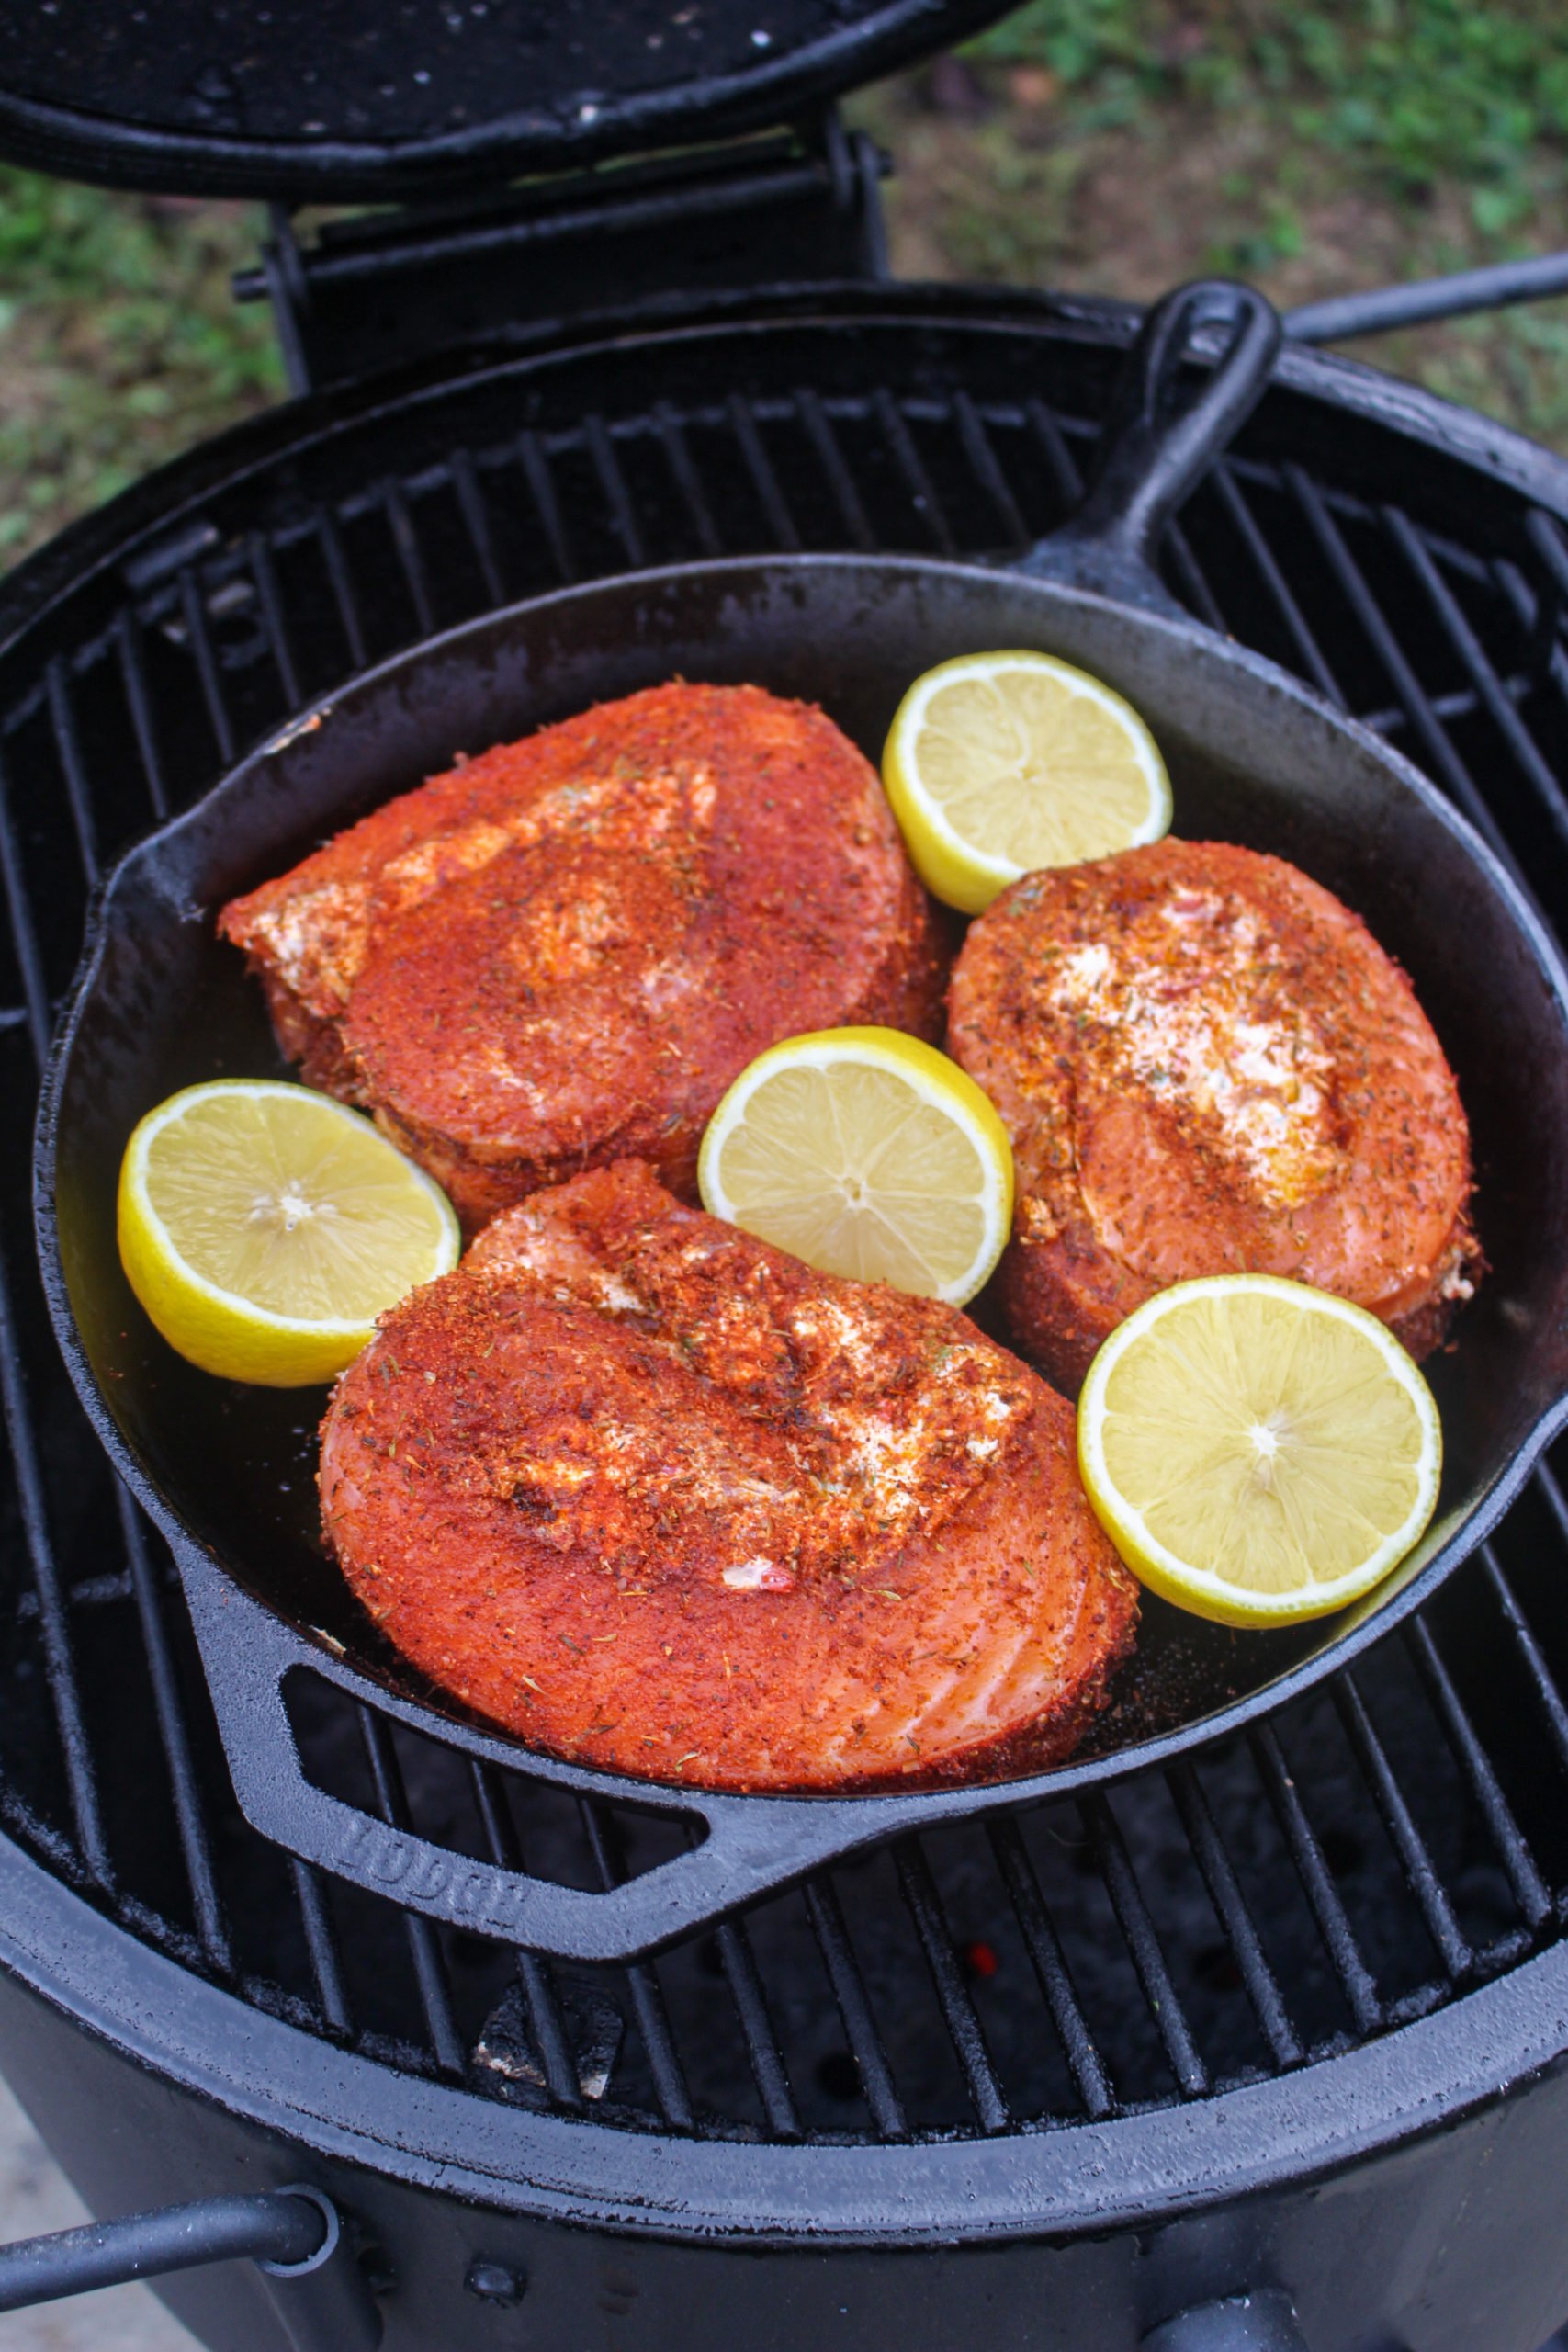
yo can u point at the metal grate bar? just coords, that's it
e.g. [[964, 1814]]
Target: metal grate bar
[[1483, 677], [169, 1709], [1436, 746], [198, 637], [24, 936], [1544, 535], [411, 556], [1542, 1681], [613, 482], [688, 482], [541, 485], [1397, 1819], [1529, 1892], [844, 1976], [133, 676], [1309, 655], [1089, 2074], [1546, 659], [957, 2008], [824, 441], [1544, 1478], [1192, 580], [762, 2041], [1052, 443], [59, 1664], [1127, 1901], [546, 2021], [918, 483], [62, 721], [647, 2001], [1317, 1884], [476, 522], [975, 443], [759, 466], [275, 623], [320, 1942], [1224, 1893], [343, 589], [424, 1945]]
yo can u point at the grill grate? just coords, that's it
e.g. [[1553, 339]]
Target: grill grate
[[1388, 1841]]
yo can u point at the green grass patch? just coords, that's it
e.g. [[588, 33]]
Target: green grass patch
[[120, 342]]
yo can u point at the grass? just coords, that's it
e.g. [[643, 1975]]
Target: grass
[[1312, 145], [120, 342]]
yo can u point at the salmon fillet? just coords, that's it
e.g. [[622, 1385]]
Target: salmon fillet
[[1206, 1063], [563, 952], [656, 1496]]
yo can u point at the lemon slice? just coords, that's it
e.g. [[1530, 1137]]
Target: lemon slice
[[1257, 1451], [264, 1227], [867, 1153], [999, 763]]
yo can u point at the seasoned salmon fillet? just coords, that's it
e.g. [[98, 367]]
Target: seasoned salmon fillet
[[656, 1496], [563, 952], [1207, 1063]]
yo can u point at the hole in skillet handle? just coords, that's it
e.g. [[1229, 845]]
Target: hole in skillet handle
[[1160, 439]]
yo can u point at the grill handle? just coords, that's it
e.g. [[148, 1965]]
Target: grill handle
[[292, 2233], [1264, 2321], [1160, 439]]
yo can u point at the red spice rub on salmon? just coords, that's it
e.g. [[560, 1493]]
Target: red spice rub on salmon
[[1206, 1063], [563, 952], [658, 1498]]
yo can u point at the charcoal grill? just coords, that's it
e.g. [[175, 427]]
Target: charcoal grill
[[1268, 2051]]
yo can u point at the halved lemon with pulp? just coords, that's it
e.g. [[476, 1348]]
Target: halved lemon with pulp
[[868, 1154], [263, 1228], [1257, 1451], [1000, 764]]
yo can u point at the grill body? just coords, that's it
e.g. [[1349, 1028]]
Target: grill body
[[1290, 2016], [1439, 2239]]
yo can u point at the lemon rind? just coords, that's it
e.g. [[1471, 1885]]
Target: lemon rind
[[1199, 1590], [932, 1076], [229, 1303], [901, 770]]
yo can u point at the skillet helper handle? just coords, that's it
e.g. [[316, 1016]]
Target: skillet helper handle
[[739, 1847], [1160, 439]]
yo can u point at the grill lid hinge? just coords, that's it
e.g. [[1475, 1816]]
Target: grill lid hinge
[[789, 206]]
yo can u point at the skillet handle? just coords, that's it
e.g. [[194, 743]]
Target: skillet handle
[[1159, 441], [740, 1847]]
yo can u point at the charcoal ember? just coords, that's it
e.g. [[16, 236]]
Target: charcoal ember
[[507, 2052]]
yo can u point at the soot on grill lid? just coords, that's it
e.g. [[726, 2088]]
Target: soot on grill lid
[[332, 100]]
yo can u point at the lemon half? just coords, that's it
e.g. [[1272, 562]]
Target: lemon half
[[1000, 764], [263, 1228], [1257, 1451], [867, 1153]]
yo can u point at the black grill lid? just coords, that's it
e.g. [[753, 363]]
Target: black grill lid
[[350, 100]]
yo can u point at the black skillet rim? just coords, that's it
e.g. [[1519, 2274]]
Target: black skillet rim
[[874, 1815]]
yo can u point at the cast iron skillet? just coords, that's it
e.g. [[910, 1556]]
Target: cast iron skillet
[[228, 1472]]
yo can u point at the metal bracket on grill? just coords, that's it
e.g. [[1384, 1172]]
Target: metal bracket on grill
[[796, 204]]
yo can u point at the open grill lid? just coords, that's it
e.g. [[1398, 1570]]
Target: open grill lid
[[332, 101]]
